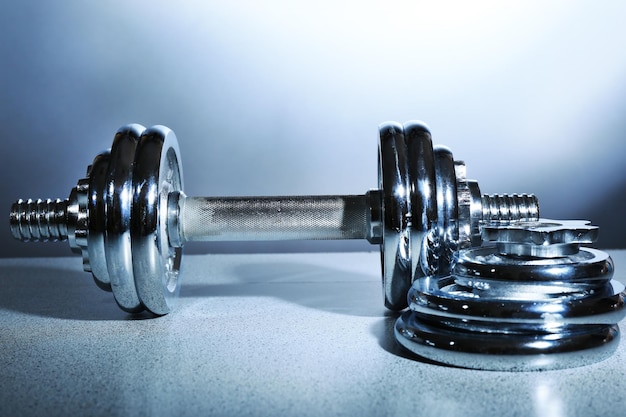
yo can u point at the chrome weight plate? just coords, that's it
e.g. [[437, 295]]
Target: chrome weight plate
[[97, 220], [423, 192], [395, 250], [119, 198], [156, 263]]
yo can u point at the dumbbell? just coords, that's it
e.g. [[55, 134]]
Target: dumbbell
[[129, 217]]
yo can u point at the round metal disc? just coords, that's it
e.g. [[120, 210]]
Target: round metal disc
[[396, 246], [156, 263], [97, 220], [421, 172], [543, 238], [119, 197], [487, 263], [448, 210], [440, 298]]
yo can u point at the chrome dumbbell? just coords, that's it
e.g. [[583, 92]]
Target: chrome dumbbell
[[129, 217], [535, 300]]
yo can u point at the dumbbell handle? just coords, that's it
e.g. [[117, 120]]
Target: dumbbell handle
[[210, 219], [219, 219]]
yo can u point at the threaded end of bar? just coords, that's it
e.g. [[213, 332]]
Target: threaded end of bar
[[39, 220], [508, 207]]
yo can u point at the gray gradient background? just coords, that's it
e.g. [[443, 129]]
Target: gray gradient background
[[279, 97]]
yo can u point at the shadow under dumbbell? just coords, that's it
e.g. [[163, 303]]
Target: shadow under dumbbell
[[57, 293], [383, 330], [310, 286]]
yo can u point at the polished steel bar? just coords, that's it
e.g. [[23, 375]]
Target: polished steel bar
[[274, 218]]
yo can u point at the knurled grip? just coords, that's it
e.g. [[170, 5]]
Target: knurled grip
[[273, 218]]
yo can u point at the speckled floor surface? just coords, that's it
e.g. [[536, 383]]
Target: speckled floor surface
[[254, 335]]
